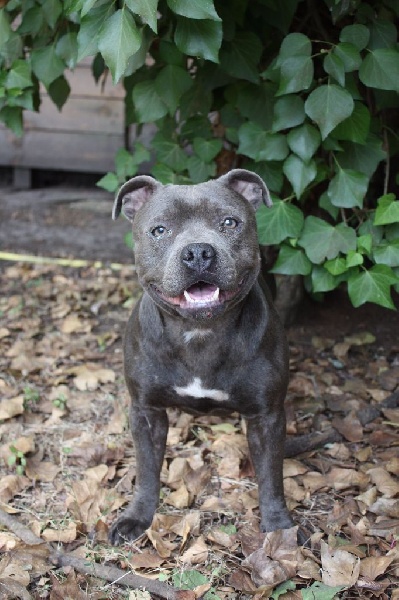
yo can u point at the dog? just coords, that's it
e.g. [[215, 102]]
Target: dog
[[205, 336]]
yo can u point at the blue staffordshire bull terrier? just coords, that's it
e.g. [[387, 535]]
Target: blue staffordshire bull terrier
[[205, 336]]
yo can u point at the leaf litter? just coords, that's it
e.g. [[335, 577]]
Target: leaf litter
[[67, 460]]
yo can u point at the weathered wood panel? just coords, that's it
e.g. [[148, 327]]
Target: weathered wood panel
[[66, 151], [84, 136], [78, 114]]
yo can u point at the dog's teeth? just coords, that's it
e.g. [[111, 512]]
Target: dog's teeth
[[188, 297], [192, 300]]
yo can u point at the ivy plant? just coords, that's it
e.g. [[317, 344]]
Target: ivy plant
[[304, 93]]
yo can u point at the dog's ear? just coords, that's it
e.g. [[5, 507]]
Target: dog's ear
[[249, 185], [133, 194]]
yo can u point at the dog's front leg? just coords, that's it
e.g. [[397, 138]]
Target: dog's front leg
[[266, 435], [149, 429]]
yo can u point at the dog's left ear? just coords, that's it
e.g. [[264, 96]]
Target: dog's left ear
[[133, 194], [249, 185]]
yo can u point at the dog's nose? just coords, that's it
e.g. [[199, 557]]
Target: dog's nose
[[198, 257]]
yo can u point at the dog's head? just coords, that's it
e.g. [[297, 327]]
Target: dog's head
[[196, 246]]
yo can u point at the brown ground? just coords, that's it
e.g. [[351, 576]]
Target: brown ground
[[67, 463]]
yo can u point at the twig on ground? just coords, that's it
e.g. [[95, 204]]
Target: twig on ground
[[112, 574]]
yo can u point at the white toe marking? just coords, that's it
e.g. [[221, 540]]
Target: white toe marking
[[196, 333], [195, 390]]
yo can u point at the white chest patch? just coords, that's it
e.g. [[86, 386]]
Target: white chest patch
[[199, 334], [195, 390]]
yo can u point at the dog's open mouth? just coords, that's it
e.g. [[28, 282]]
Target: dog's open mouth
[[200, 295]]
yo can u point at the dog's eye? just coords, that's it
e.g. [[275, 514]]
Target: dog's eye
[[159, 231], [230, 223]]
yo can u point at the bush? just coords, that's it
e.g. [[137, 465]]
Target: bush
[[304, 93]]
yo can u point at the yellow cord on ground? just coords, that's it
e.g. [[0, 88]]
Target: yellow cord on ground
[[63, 262]]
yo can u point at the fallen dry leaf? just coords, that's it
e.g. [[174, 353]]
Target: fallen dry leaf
[[197, 553], [60, 534], [338, 566], [341, 479], [277, 560], [374, 566], [11, 407], [89, 377], [385, 483]]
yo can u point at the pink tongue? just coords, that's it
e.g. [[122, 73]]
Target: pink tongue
[[201, 291]]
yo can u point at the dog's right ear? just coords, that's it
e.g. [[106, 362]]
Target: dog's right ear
[[133, 194]]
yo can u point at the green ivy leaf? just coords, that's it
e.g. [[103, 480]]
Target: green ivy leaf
[[148, 103], [336, 266], [354, 259], [387, 210], [288, 112], [294, 44], [171, 83], [5, 27], [372, 286], [325, 204], [256, 102], [240, 57], [280, 221], [90, 28], [328, 106], [207, 149], [357, 34], [323, 281], [383, 34], [171, 154], [84, 6], [299, 173], [119, 40], [170, 54], [296, 74], [109, 182], [321, 591], [12, 117], [334, 66], [291, 261], [164, 174], [59, 91], [146, 10], [348, 188], [356, 127], [365, 243], [387, 254], [269, 171], [19, 76], [362, 157], [67, 48], [200, 170], [322, 240], [380, 69], [261, 145], [46, 65], [125, 164], [304, 141], [199, 38], [52, 11], [349, 55], [194, 9]]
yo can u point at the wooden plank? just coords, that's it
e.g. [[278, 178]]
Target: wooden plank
[[63, 151], [83, 84], [89, 114]]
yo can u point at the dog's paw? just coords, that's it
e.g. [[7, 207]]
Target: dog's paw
[[280, 520], [126, 529]]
